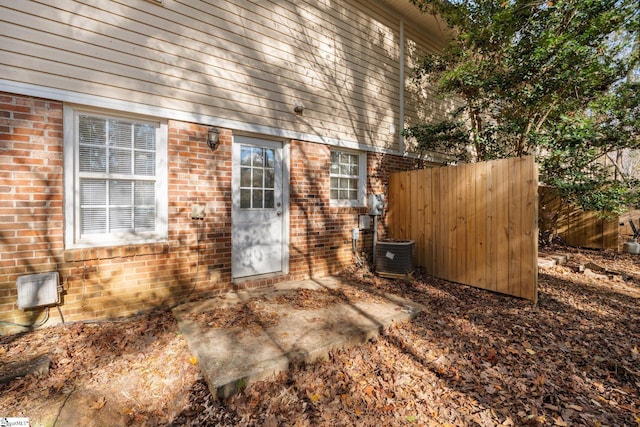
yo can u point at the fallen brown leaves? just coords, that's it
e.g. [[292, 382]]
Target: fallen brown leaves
[[135, 371], [246, 314], [478, 358], [304, 299], [259, 312], [471, 358]]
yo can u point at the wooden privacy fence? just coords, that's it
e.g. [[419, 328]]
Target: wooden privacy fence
[[474, 224], [583, 228]]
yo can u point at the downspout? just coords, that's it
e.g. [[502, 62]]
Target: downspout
[[401, 89], [375, 239]]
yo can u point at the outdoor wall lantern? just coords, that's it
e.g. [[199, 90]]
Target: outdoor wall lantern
[[213, 138]]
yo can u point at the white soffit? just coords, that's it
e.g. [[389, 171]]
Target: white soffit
[[432, 25]]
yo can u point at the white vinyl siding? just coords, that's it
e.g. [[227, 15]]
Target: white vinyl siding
[[115, 172], [238, 60], [422, 103], [347, 178]]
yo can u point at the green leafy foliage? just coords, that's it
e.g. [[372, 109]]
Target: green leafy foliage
[[546, 78], [450, 137]]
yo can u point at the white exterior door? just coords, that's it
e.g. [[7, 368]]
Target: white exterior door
[[259, 238]]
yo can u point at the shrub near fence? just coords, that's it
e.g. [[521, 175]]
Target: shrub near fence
[[474, 224]]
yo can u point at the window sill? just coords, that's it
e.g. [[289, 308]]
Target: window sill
[[346, 204], [108, 252]]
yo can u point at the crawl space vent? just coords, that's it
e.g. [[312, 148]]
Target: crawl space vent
[[35, 290]]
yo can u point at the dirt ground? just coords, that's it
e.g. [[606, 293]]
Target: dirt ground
[[471, 358]]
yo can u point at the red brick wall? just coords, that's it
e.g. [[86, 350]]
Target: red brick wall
[[31, 221], [111, 281], [195, 260], [379, 167], [321, 234]]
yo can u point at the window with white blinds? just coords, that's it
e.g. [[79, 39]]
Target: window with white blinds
[[118, 184]]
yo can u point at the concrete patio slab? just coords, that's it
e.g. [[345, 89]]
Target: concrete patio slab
[[231, 357]]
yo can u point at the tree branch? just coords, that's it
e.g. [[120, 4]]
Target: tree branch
[[618, 169]]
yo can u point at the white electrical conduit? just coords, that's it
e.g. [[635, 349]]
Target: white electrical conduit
[[354, 247]]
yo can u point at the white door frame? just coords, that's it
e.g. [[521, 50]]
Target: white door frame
[[238, 139]]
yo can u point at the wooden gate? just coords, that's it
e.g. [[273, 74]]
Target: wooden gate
[[474, 224]]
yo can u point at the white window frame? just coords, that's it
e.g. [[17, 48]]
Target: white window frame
[[72, 182], [362, 180]]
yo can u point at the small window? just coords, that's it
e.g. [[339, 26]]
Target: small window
[[115, 179], [347, 178]]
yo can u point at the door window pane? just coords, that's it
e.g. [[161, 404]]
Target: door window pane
[[245, 198], [257, 177], [256, 200], [245, 156], [269, 199], [269, 178], [245, 177], [258, 158], [270, 161]]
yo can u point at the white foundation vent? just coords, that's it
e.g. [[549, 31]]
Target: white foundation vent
[[35, 290]]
